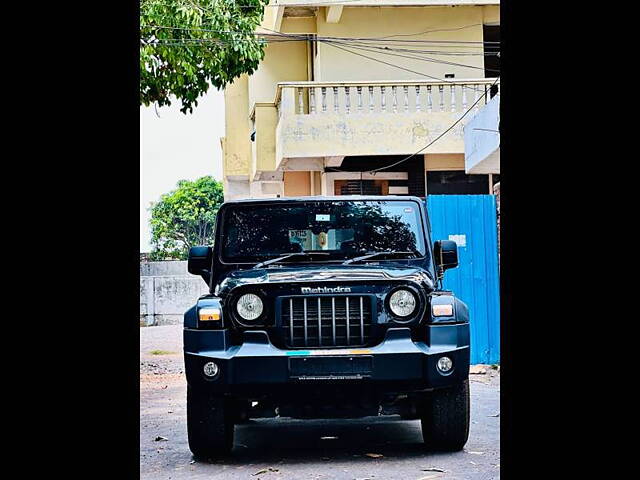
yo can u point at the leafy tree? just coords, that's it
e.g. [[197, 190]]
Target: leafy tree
[[186, 45], [185, 217]]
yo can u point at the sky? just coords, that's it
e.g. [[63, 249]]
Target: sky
[[175, 146]]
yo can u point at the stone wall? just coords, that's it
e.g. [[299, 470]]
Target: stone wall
[[167, 290]]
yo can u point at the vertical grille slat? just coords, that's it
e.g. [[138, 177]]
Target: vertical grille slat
[[291, 319], [306, 340], [361, 322], [319, 321], [348, 325], [333, 318], [339, 314]]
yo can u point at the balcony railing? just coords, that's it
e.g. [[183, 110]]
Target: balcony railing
[[318, 98]]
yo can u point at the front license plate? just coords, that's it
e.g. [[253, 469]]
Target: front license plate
[[331, 368]]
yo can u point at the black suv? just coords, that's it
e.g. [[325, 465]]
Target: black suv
[[325, 307]]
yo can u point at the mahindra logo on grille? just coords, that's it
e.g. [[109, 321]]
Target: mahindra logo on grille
[[326, 290]]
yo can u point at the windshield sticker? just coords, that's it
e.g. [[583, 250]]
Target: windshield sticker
[[408, 210], [323, 218]]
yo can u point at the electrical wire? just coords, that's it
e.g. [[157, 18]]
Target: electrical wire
[[403, 68], [306, 37], [191, 40], [369, 48], [426, 32], [424, 59], [276, 5]]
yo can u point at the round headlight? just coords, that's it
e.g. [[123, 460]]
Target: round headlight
[[249, 306], [402, 303]]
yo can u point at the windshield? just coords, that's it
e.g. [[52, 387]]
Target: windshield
[[341, 229]]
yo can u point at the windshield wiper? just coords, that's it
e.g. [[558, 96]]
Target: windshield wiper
[[374, 254], [284, 257]]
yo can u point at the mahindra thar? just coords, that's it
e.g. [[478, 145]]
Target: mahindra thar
[[325, 307]]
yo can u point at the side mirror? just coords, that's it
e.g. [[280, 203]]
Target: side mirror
[[445, 254], [200, 262]]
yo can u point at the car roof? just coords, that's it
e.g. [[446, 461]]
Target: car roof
[[325, 199]]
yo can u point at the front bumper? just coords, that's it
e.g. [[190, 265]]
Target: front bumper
[[256, 367]]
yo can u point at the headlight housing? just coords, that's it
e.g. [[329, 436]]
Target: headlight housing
[[249, 306], [403, 303]]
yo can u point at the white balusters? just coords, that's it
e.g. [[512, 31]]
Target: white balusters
[[324, 99], [475, 98], [406, 97], [312, 100], [347, 104], [394, 95], [453, 98], [464, 98], [300, 102]]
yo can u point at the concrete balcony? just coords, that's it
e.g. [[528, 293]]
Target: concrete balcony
[[482, 140], [317, 124]]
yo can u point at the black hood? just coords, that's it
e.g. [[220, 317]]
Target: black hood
[[324, 275]]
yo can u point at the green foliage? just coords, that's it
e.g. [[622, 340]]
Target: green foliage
[[185, 217], [187, 45]]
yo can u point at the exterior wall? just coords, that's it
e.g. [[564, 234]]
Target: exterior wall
[[439, 162], [264, 145], [237, 146], [491, 14], [366, 134], [482, 139], [252, 96], [335, 64], [297, 184], [167, 291], [282, 62]]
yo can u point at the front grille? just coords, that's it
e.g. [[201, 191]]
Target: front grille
[[327, 321]]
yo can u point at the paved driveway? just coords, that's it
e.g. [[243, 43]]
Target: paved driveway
[[271, 449]]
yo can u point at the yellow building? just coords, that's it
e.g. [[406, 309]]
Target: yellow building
[[347, 87]]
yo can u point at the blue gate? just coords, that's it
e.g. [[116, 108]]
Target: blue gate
[[470, 220]]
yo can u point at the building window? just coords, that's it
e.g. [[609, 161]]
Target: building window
[[456, 182], [491, 34], [361, 187]]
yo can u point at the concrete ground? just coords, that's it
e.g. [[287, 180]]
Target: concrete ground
[[270, 449]]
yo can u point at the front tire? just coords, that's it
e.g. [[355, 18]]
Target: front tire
[[209, 424], [445, 418]]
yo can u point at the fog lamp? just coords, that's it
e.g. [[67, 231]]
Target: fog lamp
[[445, 364], [211, 369]]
